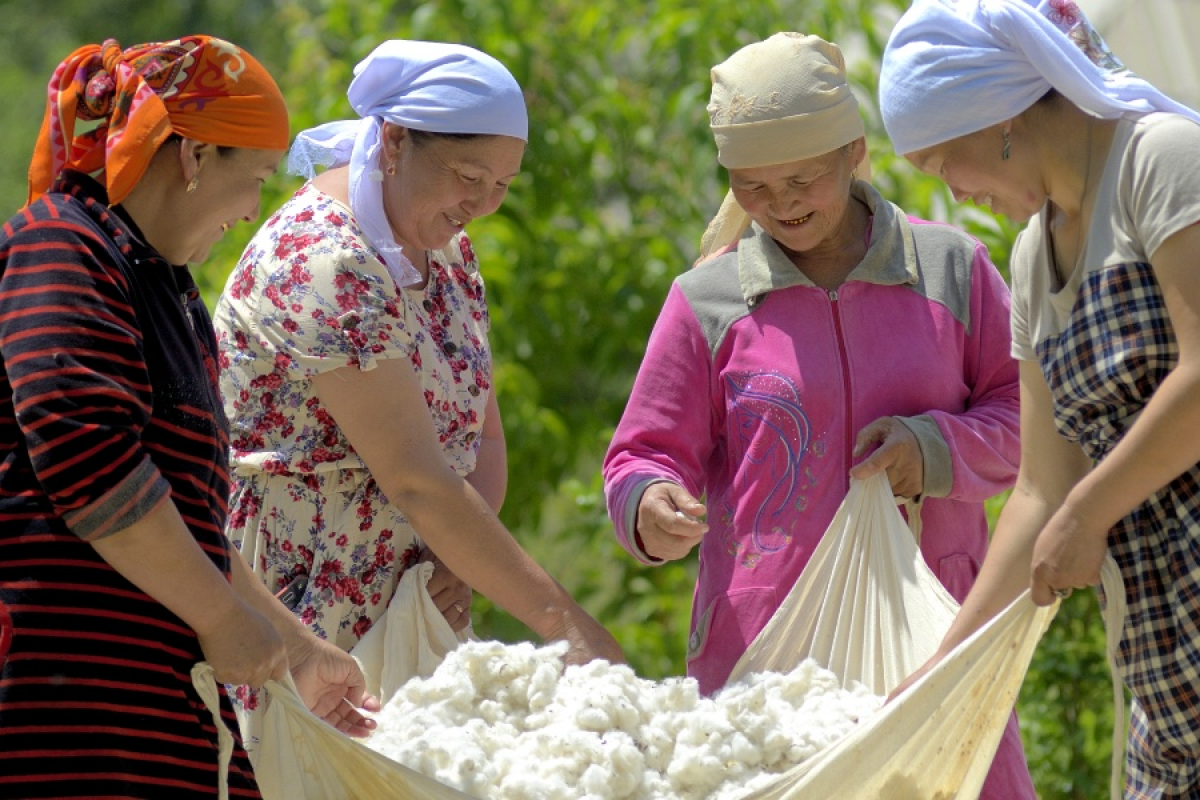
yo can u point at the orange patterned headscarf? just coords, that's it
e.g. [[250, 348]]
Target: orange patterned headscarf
[[199, 87]]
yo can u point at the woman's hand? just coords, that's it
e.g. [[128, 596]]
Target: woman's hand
[[586, 638], [332, 685], [1068, 554], [899, 453], [451, 595], [670, 522]]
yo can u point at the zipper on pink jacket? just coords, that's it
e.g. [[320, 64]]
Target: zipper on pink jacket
[[841, 344]]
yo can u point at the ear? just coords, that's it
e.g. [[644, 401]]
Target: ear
[[858, 150], [393, 137], [192, 156]]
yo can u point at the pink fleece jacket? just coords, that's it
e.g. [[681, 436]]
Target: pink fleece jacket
[[755, 383]]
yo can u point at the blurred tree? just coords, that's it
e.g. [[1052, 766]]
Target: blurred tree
[[619, 180]]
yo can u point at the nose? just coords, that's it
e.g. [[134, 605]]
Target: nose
[[781, 204]]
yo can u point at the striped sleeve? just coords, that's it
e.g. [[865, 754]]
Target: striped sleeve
[[73, 357]]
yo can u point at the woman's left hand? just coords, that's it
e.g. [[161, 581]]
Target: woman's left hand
[[1068, 554], [451, 596], [899, 453], [332, 686]]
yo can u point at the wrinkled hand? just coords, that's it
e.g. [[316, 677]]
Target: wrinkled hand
[[1068, 554], [451, 596], [243, 647], [899, 453], [332, 685], [670, 522], [587, 640]]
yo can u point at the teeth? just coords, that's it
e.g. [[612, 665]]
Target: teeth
[[457, 222], [795, 222], [225, 226]]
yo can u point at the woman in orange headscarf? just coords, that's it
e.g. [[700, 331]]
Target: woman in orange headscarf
[[115, 576]]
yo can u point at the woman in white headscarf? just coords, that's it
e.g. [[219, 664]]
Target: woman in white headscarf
[[1019, 106], [355, 363], [828, 335]]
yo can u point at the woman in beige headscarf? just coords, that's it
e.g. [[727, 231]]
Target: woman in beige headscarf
[[827, 324]]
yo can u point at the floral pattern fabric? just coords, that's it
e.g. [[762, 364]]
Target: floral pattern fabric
[[310, 295]]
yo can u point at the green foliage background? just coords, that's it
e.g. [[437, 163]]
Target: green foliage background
[[619, 180]]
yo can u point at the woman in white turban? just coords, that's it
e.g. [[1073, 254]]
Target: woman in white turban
[[1020, 106], [356, 369]]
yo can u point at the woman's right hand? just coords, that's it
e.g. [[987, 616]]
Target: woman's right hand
[[587, 640], [670, 522], [243, 647]]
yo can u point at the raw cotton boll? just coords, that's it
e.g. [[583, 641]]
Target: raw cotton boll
[[509, 722]]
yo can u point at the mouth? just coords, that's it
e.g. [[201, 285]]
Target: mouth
[[791, 223], [458, 223], [225, 226]]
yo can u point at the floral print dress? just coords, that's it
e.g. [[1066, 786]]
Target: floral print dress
[[310, 295]]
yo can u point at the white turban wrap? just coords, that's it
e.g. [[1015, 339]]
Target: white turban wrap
[[954, 67], [425, 86]]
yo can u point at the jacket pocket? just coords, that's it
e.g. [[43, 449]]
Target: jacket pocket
[[723, 631], [957, 573]]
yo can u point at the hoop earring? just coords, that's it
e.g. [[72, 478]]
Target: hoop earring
[[1006, 152], [391, 168], [193, 183]]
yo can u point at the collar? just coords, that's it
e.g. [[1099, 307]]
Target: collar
[[113, 220], [891, 257]]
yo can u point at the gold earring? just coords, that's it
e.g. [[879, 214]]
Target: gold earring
[[193, 183], [391, 168]]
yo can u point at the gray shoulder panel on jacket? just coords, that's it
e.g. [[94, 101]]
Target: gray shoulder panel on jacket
[[945, 259], [714, 291]]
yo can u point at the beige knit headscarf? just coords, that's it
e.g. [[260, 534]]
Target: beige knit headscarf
[[780, 100]]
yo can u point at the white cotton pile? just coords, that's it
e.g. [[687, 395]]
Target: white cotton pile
[[508, 721]]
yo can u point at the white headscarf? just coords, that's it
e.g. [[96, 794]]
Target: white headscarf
[[954, 67], [425, 86]]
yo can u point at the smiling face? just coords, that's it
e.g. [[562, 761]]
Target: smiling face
[[228, 191], [973, 168], [441, 183], [800, 204]]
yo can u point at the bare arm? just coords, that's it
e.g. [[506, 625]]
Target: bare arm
[[1050, 466], [490, 477], [383, 414], [159, 555]]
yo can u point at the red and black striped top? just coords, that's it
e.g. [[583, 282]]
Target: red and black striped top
[[108, 406]]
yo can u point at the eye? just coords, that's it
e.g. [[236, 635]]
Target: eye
[[468, 178]]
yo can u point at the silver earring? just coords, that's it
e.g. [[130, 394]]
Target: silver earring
[[193, 183], [1005, 153]]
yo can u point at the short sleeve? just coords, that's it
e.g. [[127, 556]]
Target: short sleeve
[[1164, 178], [314, 294], [1022, 335]]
